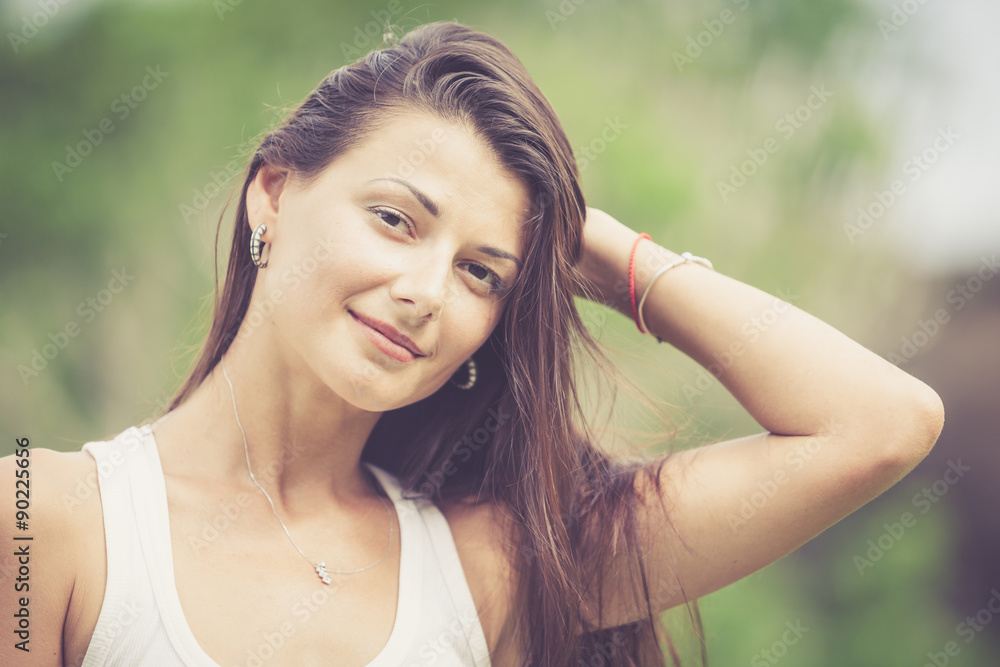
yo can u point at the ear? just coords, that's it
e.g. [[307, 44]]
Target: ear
[[263, 196]]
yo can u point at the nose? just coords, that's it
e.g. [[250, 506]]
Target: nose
[[425, 283]]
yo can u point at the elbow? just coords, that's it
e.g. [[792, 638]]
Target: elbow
[[924, 422]]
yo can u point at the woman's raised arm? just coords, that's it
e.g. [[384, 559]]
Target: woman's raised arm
[[843, 424]]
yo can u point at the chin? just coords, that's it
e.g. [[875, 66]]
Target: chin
[[368, 391]]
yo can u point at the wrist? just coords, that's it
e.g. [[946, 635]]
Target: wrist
[[646, 258], [606, 264], [650, 257]]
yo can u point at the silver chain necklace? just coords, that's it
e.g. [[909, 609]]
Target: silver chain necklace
[[320, 567]]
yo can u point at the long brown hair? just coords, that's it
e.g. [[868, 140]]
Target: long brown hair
[[519, 438]]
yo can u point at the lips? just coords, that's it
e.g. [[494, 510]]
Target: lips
[[389, 332]]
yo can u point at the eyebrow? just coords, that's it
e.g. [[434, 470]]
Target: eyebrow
[[427, 202], [433, 209]]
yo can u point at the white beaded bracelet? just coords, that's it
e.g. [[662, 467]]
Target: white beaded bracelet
[[685, 257]]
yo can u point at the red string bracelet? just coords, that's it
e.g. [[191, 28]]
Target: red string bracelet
[[631, 277]]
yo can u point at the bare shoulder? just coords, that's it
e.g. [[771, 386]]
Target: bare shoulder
[[48, 516], [484, 537], [62, 485], [57, 490]]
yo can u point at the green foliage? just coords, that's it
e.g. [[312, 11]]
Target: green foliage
[[147, 197]]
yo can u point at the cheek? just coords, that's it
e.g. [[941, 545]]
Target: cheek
[[309, 286], [469, 331]]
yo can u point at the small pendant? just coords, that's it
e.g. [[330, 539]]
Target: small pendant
[[321, 571]]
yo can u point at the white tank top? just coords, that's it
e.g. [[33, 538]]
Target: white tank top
[[141, 621]]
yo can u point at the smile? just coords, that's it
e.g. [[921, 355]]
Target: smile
[[388, 347]]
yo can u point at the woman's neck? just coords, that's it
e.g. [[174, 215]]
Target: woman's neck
[[304, 441]]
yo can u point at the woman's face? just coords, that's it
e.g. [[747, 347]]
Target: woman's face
[[417, 228]]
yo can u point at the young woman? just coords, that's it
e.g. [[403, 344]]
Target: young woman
[[380, 457]]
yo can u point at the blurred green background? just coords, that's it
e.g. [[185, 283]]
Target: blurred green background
[[148, 108]]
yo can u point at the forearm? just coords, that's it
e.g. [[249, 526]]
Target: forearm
[[793, 373]]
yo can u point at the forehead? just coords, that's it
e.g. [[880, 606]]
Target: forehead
[[447, 161]]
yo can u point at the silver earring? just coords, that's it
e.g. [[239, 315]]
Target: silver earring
[[255, 245], [470, 370]]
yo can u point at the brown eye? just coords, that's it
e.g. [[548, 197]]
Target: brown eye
[[487, 277], [486, 273], [390, 218]]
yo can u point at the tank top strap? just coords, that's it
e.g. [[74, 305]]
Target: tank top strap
[[139, 559], [150, 489], [150, 529], [120, 541], [437, 532]]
